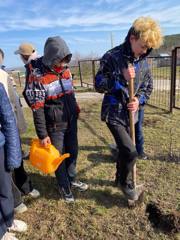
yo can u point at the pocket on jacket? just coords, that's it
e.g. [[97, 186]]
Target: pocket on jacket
[[55, 114]]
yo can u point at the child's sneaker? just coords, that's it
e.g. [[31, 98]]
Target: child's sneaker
[[79, 185], [66, 194], [143, 156], [34, 193], [20, 208], [18, 226], [8, 236]]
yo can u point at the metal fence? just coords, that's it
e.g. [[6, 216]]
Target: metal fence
[[166, 77], [87, 70], [175, 79], [161, 73], [165, 72]]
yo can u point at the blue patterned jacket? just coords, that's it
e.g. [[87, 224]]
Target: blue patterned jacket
[[9, 136], [110, 81]]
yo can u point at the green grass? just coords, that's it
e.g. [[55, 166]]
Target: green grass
[[101, 212]]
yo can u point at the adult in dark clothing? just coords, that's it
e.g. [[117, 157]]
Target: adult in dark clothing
[[112, 79], [22, 184], [139, 136], [10, 158]]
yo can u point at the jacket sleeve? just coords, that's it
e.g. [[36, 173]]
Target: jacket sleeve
[[40, 123], [145, 88], [107, 79], [103, 76], [34, 94], [10, 131]]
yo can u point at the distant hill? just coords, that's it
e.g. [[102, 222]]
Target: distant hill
[[170, 41]]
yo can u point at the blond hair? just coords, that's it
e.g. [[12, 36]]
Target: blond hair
[[148, 31]]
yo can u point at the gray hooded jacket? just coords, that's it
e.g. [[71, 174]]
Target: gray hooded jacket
[[50, 94], [55, 49]]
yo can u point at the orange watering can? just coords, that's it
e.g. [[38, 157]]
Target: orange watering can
[[46, 159]]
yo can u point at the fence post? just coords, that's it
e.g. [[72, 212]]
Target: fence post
[[19, 78], [80, 76], [93, 72], [173, 80]]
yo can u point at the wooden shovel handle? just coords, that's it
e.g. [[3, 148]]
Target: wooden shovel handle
[[131, 122]]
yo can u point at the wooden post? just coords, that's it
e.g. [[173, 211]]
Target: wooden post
[[19, 78], [80, 73], [93, 72]]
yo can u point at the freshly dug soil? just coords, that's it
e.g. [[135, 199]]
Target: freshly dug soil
[[168, 223]]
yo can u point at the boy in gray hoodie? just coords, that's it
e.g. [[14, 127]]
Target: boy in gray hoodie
[[50, 94]]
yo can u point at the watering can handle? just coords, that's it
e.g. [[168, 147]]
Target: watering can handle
[[47, 147]]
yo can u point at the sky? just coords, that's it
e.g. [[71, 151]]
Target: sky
[[89, 27]]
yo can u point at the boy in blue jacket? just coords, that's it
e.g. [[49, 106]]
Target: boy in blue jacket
[[117, 67]]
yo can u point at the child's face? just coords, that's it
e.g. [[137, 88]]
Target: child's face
[[60, 64], [138, 46], [25, 57]]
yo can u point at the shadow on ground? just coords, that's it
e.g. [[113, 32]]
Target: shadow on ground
[[47, 186]]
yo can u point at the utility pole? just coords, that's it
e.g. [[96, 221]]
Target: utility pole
[[112, 40]]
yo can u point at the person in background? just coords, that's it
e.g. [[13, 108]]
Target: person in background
[[27, 52], [139, 136], [117, 67], [55, 110], [10, 158], [22, 184]]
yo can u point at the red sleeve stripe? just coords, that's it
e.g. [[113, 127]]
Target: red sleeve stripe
[[37, 105], [59, 95]]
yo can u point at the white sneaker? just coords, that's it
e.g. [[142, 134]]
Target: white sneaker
[[79, 185], [34, 193], [66, 195], [20, 208], [9, 236], [18, 226]]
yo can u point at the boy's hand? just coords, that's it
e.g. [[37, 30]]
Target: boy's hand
[[134, 105], [46, 141], [129, 73]]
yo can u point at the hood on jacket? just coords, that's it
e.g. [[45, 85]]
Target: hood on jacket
[[55, 48]]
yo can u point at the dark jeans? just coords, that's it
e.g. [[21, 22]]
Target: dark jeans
[[66, 142], [127, 152], [21, 184], [6, 197], [16, 195], [22, 181], [139, 132]]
